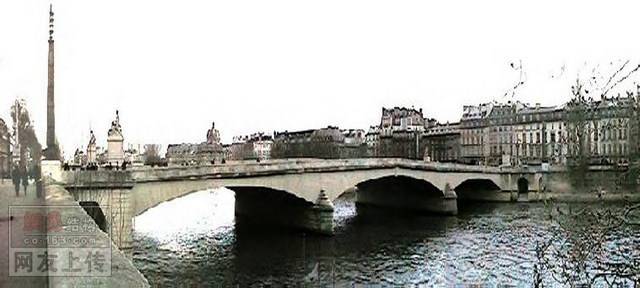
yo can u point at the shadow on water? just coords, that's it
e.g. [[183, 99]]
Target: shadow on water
[[367, 244], [470, 208]]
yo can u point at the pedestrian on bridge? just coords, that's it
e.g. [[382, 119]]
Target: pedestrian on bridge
[[15, 176], [25, 179]]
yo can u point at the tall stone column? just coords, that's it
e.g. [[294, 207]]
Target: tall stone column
[[52, 152]]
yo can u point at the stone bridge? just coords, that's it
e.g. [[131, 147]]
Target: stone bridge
[[297, 193]]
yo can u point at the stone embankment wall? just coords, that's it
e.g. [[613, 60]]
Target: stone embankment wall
[[123, 273]]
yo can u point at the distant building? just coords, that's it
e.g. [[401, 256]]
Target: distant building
[[329, 142], [134, 154], [401, 119], [607, 134], [355, 137], [372, 138], [354, 144], [400, 144], [472, 125], [207, 152], [513, 133], [441, 143], [399, 133], [254, 146]]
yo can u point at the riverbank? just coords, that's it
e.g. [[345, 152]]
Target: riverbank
[[590, 197]]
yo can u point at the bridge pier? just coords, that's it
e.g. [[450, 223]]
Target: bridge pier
[[257, 206]]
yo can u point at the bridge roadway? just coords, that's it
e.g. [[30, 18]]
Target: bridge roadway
[[297, 192]]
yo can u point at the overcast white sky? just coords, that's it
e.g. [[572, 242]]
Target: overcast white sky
[[173, 67]]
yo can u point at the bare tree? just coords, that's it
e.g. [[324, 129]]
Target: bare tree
[[30, 148], [588, 247], [522, 78], [590, 102], [152, 154]]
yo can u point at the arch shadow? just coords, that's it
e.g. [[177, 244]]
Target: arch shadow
[[480, 190], [403, 193], [523, 185], [256, 206], [94, 210]]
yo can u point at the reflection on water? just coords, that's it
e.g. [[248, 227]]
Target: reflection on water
[[193, 241]]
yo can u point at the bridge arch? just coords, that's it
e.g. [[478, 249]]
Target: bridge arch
[[523, 185], [403, 192], [308, 185], [480, 189]]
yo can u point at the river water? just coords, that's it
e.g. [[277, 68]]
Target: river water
[[194, 242]]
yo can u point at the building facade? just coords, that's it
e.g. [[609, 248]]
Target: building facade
[[401, 119], [329, 142], [372, 138], [254, 146], [516, 133], [472, 128], [606, 130], [208, 152], [441, 143], [399, 134], [513, 133]]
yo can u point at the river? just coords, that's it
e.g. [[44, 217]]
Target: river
[[194, 241]]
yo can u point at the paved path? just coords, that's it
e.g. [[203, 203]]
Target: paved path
[[123, 273], [8, 198]]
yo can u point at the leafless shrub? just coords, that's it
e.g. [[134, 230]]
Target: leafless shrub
[[586, 247]]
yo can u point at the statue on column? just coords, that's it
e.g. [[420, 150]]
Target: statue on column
[[115, 139], [92, 138], [116, 129], [92, 149], [213, 135]]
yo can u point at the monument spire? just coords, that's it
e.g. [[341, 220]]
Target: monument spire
[[52, 152]]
